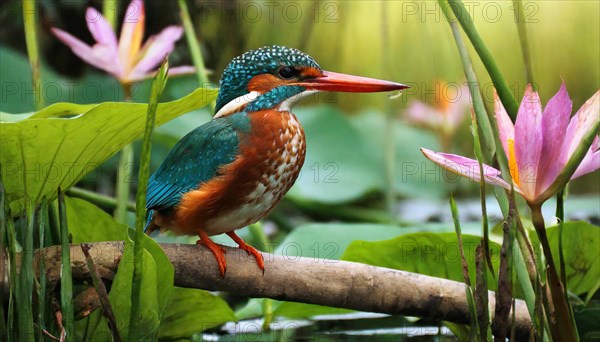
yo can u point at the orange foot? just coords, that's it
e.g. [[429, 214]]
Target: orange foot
[[216, 250], [249, 249]]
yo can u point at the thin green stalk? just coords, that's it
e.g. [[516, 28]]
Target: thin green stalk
[[98, 199], [562, 325], [124, 171], [66, 279], [475, 329], [30, 18], [192, 41], [4, 253], [389, 142], [560, 215], [479, 122], [24, 299], [43, 223], [158, 86], [466, 22], [107, 309], [522, 28], [110, 9], [14, 288], [123, 183]]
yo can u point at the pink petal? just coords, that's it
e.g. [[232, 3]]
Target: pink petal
[[466, 167], [585, 118], [100, 29], [528, 142], [505, 125], [176, 71], [100, 56], [554, 125], [132, 32], [156, 49], [591, 161]]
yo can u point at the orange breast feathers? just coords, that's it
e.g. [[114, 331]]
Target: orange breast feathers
[[269, 161]]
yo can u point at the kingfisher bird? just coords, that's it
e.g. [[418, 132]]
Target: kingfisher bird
[[231, 171]]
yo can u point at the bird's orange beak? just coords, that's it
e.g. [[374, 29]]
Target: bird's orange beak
[[333, 81]]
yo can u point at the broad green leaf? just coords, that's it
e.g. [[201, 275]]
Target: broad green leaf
[[415, 176], [344, 158], [338, 166], [582, 255], [191, 311], [328, 241], [157, 283], [88, 223], [47, 150], [434, 254], [587, 319]]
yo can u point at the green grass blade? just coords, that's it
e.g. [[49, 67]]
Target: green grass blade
[[43, 224], [158, 86], [522, 28], [66, 279], [124, 182], [24, 299], [110, 10], [31, 18], [4, 331], [192, 41], [474, 331], [468, 26]]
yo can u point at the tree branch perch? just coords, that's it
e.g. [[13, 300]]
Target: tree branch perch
[[323, 282]]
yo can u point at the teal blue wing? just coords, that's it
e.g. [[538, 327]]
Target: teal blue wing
[[195, 159]]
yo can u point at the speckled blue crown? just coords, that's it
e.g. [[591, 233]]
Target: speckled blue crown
[[267, 59]]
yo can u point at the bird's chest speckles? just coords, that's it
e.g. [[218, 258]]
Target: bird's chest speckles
[[280, 168], [272, 156]]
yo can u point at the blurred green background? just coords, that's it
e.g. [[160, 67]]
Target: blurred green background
[[345, 36]]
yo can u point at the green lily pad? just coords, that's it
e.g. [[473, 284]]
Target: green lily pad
[[88, 223], [191, 311], [57, 146], [338, 166]]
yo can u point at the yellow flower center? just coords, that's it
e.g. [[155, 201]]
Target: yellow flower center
[[512, 162]]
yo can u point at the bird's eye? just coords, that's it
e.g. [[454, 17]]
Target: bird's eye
[[287, 72]]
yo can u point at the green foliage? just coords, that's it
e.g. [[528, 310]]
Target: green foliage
[[344, 162], [156, 286], [434, 254], [191, 311], [582, 256], [82, 136], [88, 223]]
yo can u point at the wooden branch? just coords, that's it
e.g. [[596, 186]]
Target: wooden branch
[[306, 280]]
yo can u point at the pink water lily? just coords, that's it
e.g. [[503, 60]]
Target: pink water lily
[[127, 60], [452, 105], [538, 145]]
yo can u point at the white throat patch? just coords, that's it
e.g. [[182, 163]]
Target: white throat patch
[[234, 105], [288, 103]]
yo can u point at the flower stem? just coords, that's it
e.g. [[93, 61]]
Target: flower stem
[[562, 326], [109, 12], [124, 171], [193, 45], [520, 20], [465, 20], [30, 18]]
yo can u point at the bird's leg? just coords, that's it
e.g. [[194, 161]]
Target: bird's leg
[[216, 250], [249, 249]]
